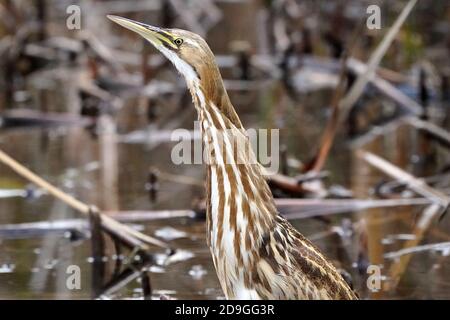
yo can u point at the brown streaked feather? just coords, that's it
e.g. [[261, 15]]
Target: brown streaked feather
[[282, 263]]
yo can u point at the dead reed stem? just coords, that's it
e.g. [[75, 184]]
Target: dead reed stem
[[418, 185], [128, 235], [440, 203]]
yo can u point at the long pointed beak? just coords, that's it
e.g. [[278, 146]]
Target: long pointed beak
[[155, 35]]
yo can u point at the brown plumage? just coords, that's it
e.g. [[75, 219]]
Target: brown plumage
[[257, 253]]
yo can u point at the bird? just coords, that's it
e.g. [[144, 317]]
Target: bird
[[257, 254]]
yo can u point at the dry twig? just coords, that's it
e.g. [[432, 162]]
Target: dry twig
[[131, 237]]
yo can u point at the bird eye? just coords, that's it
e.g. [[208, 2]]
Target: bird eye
[[178, 41]]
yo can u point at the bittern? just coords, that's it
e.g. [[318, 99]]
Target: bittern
[[257, 254]]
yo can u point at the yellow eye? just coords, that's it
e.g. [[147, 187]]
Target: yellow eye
[[178, 41]]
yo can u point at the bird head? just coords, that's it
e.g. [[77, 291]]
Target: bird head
[[189, 53], [192, 57]]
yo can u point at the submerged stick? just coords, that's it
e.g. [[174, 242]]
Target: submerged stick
[[125, 233], [98, 252], [146, 285]]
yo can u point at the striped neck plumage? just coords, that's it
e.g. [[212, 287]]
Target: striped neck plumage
[[240, 205], [240, 201]]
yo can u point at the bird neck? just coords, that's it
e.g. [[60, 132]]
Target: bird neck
[[240, 206], [211, 84]]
